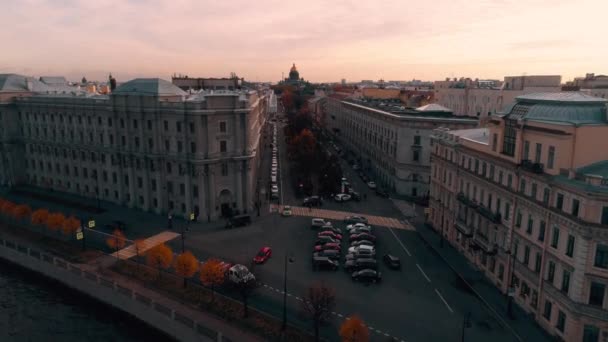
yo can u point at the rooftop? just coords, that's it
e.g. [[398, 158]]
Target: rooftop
[[561, 97], [596, 169], [17, 83], [478, 135], [149, 87], [434, 107]]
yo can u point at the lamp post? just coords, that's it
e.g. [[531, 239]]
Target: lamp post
[[291, 260], [466, 323]]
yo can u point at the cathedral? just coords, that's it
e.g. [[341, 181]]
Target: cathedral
[[294, 76]]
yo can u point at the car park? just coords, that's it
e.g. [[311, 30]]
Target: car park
[[334, 246], [263, 255], [360, 230], [362, 242], [355, 219], [330, 234], [318, 223], [371, 184], [392, 261], [357, 249], [322, 262], [362, 236], [342, 197], [360, 264], [286, 211], [325, 239], [367, 275], [330, 229], [363, 253], [330, 253], [352, 226]]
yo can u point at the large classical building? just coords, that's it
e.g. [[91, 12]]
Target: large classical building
[[147, 145], [482, 98], [526, 201], [392, 144]]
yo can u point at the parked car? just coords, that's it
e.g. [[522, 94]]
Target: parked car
[[322, 262], [334, 246], [312, 201], [342, 197], [362, 248], [382, 193], [263, 255], [392, 261], [362, 236], [357, 225], [362, 242], [367, 275], [331, 229], [363, 253], [325, 239], [360, 264], [238, 221], [355, 196], [360, 230], [286, 212], [330, 253], [317, 223], [355, 219], [371, 184], [330, 234]]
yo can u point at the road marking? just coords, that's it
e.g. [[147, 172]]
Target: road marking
[[289, 295], [424, 274], [387, 335], [298, 298], [340, 315], [333, 313], [444, 302], [401, 243]]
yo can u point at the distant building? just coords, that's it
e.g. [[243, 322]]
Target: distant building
[[294, 77], [590, 84], [198, 83], [482, 98], [526, 201], [148, 145]]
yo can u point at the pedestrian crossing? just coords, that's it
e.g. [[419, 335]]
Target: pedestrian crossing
[[337, 215], [130, 251]]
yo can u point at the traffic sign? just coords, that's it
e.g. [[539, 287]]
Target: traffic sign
[[192, 216], [79, 236], [91, 223], [428, 210]]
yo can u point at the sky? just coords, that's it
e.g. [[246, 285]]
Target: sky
[[327, 40]]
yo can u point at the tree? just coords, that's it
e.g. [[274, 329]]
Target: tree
[[40, 216], [304, 145], [212, 274], [159, 256], [70, 225], [186, 265], [354, 330], [21, 211], [116, 241], [7, 207], [318, 303], [302, 120], [139, 245], [55, 221]]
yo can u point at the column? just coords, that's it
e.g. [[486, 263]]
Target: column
[[239, 186], [211, 193], [146, 180], [188, 184], [202, 194]]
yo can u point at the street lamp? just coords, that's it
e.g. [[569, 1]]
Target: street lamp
[[291, 260], [466, 323]]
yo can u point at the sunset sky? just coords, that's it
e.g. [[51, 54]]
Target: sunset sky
[[328, 40]]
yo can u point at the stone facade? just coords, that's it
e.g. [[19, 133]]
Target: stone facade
[[165, 151], [526, 201]]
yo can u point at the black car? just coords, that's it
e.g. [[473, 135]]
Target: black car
[[329, 253], [382, 193], [392, 261], [322, 262], [355, 196], [360, 264], [312, 201], [238, 221], [355, 219], [367, 275]]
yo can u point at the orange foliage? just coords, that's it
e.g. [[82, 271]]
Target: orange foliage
[[40, 216], [186, 265], [212, 272], [70, 225], [117, 240], [159, 256], [7, 207], [55, 220], [21, 211], [139, 245], [354, 330]]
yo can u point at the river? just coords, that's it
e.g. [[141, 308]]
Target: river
[[34, 308]]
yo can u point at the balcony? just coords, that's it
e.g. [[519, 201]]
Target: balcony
[[580, 309], [530, 166], [487, 213], [525, 272], [484, 244], [462, 227], [466, 201]]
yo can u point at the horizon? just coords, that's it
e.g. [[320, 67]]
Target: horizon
[[394, 41]]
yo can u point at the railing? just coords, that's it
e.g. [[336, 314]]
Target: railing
[[463, 228], [485, 244], [487, 213], [467, 201], [528, 165]]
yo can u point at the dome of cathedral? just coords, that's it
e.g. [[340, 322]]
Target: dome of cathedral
[[293, 73]]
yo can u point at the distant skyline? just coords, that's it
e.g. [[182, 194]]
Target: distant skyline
[[328, 40]]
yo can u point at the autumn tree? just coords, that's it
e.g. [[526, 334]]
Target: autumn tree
[[40, 216], [186, 265], [212, 274], [160, 256], [7, 207], [21, 211], [302, 120], [287, 101], [318, 303], [304, 147], [70, 225], [354, 330], [116, 241], [55, 221]]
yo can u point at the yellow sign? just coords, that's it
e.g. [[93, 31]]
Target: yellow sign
[[191, 216], [428, 210], [92, 224], [79, 236]]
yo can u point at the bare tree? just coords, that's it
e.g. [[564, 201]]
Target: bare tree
[[318, 303]]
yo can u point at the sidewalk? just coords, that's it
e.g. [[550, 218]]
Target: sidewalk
[[523, 327]]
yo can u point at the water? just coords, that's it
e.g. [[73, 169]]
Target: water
[[33, 308]]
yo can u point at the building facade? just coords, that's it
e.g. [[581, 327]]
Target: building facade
[[148, 145], [394, 147], [526, 201], [478, 98]]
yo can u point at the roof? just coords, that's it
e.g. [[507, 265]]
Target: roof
[[478, 135], [433, 107], [53, 80], [18, 83], [149, 87], [570, 108], [596, 169]]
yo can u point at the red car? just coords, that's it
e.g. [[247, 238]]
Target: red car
[[335, 246], [363, 236], [263, 255], [330, 234]]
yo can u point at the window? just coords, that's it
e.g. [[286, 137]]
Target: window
[[526, 154], [135, 124], [123, 140], [551, 272], [509, 180], [518, 219], [192, 147], [191, 124], [169, 168], [522, 186], [507, 211], [500, 174], [494, 141], [537, 262], [547, 312], [416, 140], [149, 125], [223, 147], [416, 156], [604, 215], [169, 187], [195, 191], [491, 175], [136, 142], [510, 133], [596, 294], [526, 255], [565, 281], [153, 184], [534, 299], [555, 238], [546, 196], [178, 126], [122, 123], [182, 189], [150, 143], [575, 206], [180, 147], [533, 191], [501, 271], [109, 121], [223, 126], [167, 145], [126, 180], [551, 157], [541, 231], [224, 169], [530, 225], [140, 182], [559, 202], [166, 125], [539, 150], [561, 321], [591, 334], [570, 246]]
